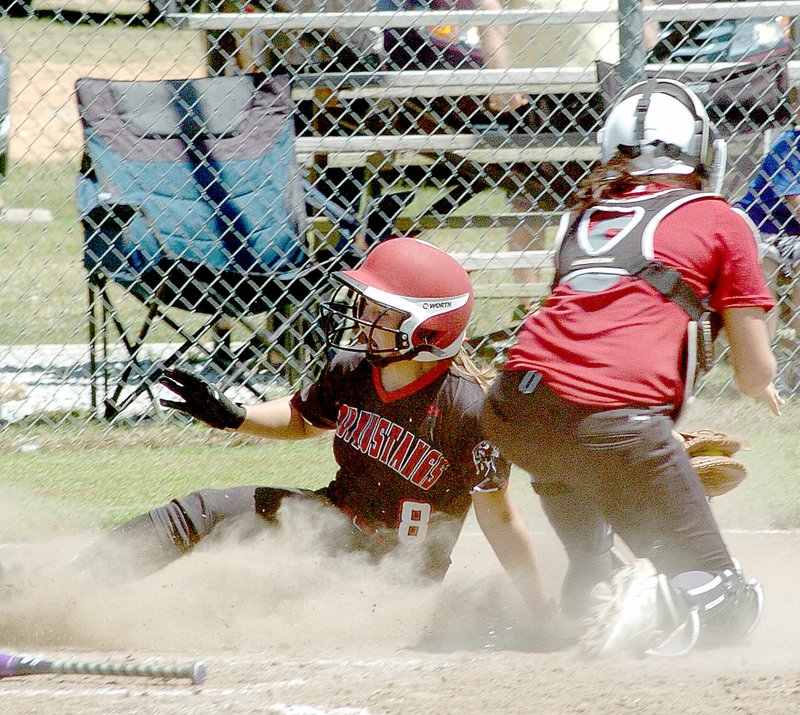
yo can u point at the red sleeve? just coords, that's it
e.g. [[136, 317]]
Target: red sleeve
[[740, 281], [716, 250]]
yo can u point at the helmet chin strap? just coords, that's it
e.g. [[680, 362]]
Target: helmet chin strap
[[383, 360]]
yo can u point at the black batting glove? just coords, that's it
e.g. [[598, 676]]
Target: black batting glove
[[201, 399]]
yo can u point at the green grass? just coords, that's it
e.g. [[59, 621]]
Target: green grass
[[43, 300], [102, 479], [101, 476]]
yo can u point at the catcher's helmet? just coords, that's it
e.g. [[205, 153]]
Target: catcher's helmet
[[422, 291], [664, 128]]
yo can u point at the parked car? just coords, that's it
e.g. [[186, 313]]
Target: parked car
[[5, 106], [745, 40]]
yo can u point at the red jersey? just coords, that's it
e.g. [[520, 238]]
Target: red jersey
[[624, 345]]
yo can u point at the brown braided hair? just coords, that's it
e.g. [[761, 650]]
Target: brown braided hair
[[612, 179]]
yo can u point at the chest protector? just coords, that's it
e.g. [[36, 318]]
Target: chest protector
[[599, 246]]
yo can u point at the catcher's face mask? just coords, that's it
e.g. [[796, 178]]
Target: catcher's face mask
[[663, 128]]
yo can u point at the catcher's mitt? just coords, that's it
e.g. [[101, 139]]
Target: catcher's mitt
[[711, 455]]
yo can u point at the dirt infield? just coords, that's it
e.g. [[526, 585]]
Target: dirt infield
[[290, 632]]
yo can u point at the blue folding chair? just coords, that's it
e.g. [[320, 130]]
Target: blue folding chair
[[192, 202]]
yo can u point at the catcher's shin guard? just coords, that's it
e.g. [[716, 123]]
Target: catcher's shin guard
[[729, 608], [640, 613]]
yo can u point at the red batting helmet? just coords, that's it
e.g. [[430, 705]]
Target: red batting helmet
[[425, 286]]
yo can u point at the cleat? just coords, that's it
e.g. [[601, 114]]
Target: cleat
[[639, 613]]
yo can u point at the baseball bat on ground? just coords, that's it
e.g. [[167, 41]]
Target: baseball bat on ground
[[13, 665]]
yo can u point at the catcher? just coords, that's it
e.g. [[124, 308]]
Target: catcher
[[589, 396]]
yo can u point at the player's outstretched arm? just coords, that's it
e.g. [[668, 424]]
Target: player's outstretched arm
[[277, 419], [509, 537]]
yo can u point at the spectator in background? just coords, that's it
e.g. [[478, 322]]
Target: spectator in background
[[772, 202], [425, 48]]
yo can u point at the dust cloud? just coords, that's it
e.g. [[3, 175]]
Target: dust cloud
[[237, 591], [283, 590]]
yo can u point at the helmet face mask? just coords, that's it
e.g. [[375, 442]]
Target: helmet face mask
[[664, 128], [407, 301], [354, 323]]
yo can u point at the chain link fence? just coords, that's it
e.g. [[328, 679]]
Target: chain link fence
[[147, 223]]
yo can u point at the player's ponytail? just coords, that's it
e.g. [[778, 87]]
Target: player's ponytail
[[482, 373]]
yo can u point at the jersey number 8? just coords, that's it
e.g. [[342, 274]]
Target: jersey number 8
[[414, 518]]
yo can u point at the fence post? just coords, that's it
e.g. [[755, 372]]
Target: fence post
[[222, 46], [631, 41]]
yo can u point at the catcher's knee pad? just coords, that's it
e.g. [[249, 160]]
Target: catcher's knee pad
[[728, 607]]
